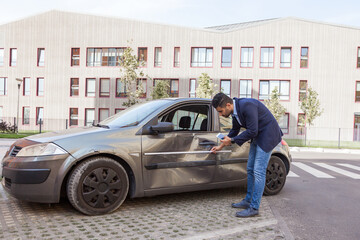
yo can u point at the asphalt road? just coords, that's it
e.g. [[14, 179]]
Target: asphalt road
[[323, 203]]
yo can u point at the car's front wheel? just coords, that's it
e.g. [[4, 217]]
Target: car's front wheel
[[97, 186], [275, 176]]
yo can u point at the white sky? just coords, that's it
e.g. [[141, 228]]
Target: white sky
[[193, 13]]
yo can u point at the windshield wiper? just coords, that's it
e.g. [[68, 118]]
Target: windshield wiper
[[130, 124], [102, 126]]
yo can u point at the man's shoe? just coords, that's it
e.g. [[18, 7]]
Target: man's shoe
[[243, 204], [250, 212]]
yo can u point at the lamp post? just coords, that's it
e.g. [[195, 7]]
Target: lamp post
[[19, 80]]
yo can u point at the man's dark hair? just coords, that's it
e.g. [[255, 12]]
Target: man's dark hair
[[220, 100]]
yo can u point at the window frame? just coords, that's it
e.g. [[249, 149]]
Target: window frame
[[269, 92], [86, 87], [297, 125], [222, 55], [174, 62], [143, 63], [73, 58], [225, 80], [251, 90], [11, 58], [77, 120], [170, 91], [85, 118], [99, 115], [281, 62], [252, 60], [155, 62], [273, 60], [356, 83], [37, 115], [190, 87], [145, 90], [39, 57], [37, 87], [116, 88], [308, 50], [2, 50], [71, 86], [94, 63], [23, 115], [5, 86], [205, 63], [24, 86], [300, 90], [100, 88], [288, 123]]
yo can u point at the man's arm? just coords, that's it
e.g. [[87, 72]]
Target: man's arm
[[252, 123]]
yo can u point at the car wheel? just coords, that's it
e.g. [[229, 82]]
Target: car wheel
[[275, 176], [97, 186]]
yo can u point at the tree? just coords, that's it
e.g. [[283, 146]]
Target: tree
[[161, 90], [206, 88], [273, 104], [310, 105], [129, 67]]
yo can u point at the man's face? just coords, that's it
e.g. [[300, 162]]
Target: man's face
[[225, 111]]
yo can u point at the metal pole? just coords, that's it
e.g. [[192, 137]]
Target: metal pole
[[17, 116], [66, 123]]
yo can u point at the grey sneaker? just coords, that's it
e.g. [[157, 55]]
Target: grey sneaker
[[243, 204], [250, 212]]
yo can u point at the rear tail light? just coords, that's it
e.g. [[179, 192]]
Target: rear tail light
[[284, 143]]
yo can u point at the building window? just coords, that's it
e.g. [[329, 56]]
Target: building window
[[142, 56], [97, 57], [302, 89], [201, 57], [301, 124], [357, 65], [75, 57], [40, 87], [90, 87], [26, 115], [120, 88], [225, 87], [1, 57], [226, 56], [74, 116], [1, 113], [103, 114], [173, 90], [104, 87], [26, 87], [267, 57], [245, 89], [41, 57], [39, 115], [267, 86], [357, 93], [74, 87], [141, 83], [285, 58], [357, 127], [3, 86], [284, 123], [304, 57], [13, 57], [247, 57], [192, 88], [176, 57], [158, 57], [118, 110], [89, 116]]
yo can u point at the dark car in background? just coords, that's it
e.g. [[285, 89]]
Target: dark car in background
[[157, 147]]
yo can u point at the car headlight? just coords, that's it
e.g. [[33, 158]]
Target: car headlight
[[43, 149]]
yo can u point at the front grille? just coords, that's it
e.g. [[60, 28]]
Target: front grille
[[8, 182], [15, 151]]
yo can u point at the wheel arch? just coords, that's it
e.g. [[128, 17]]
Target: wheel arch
[[284, 159], [128, 169]]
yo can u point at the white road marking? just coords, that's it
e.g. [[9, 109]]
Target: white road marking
[[312, 170], [292, 174], [339, 170], [349, 166]]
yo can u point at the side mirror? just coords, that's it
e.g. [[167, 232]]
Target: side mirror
[[162, 127]]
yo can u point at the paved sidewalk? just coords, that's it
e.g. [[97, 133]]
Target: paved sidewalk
[[196, 215]]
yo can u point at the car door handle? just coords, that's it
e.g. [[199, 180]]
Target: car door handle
[[207, 143]]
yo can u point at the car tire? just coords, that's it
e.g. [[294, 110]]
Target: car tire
[[275, 176], [97, 186]]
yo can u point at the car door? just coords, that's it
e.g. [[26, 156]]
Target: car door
[[181, 157], [231, 163]]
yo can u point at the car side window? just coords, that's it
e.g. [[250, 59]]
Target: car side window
[[188, 118]]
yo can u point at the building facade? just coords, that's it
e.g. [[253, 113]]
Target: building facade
[[68, 64]]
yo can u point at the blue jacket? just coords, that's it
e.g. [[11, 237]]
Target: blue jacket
[[260, 124]]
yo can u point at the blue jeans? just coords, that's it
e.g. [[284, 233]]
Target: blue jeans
[[256, 174]]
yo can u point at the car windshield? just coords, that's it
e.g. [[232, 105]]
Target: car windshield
[[133, 115]]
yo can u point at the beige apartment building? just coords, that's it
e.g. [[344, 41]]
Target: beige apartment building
[[68, 64]]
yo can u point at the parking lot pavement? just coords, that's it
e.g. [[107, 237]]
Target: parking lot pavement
[[196, 215]]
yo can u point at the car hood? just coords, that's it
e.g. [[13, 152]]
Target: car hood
[[58, 135]]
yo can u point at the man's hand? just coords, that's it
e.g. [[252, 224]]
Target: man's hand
[[226, 141], [217, 148]]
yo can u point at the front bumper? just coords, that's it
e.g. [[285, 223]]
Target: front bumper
[[34, 179]]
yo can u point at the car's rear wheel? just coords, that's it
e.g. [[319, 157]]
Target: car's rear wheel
[[275, 176], [97, 186]]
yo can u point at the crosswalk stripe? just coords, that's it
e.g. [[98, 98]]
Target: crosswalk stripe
[[349, 166], [292, 174], [312, 170], [339, 170]]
